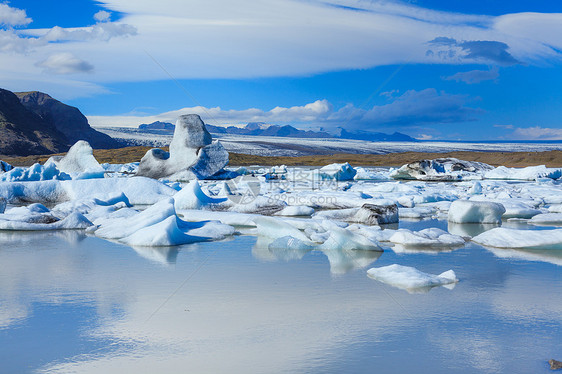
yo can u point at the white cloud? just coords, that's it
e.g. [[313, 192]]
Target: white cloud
[[102, 16], [537, 133], [412, 109], [65, 63], [475, 76], [245, 39], [13, 16]]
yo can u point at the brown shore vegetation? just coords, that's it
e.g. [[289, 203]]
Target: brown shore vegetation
[[509, 159]]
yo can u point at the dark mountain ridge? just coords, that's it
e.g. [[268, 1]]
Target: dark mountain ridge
[[262, 129]]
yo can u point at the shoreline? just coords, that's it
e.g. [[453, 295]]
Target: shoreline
[[508, 159]]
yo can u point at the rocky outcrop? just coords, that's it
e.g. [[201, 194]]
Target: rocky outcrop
[[23, 132], [66, 119], [192, 154]]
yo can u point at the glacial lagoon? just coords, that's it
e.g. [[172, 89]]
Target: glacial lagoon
[[73, 303]]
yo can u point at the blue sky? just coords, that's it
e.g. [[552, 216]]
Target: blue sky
[[433, 69]]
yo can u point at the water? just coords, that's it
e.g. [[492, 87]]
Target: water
[[72, 303]]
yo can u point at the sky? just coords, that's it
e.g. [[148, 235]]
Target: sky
[[432, 69]]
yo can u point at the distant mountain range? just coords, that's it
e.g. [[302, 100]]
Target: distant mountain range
[[262, 129], [35, 123]]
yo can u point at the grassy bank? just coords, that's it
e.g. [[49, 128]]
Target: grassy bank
[[510, 159]]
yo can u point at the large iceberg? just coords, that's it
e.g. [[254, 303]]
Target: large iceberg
[[159, 226], [192, 154], [411, 279]]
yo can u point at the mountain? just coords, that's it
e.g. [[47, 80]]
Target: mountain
[[166, 126], [23, 132], [374, 136], [264, 129], [65, 118]]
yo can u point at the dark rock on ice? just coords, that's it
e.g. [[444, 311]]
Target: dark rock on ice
[[555, 365]]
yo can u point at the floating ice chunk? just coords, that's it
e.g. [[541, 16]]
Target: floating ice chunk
[[465, 211], [528, 173], [370, 214], [139, 190], [4, 167], [192, 153], [165, 233], [36, 172], [547, 218], [343, 239], [416, 213], [228, 218], [411, 279], [264, 205], [33, 222], [159, 225], [556, 208], [339, 172], [518, 210], [79, 159], [519, 239], [441, 169], [430, 237], [475, 189], [275, 228], [296, 210], [366, 174], [192, 197]]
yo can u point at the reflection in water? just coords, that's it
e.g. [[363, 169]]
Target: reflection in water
[[343, 261], [264, 251], [399, 248], [470, 229], [553, 256], [98, 307], [161, 255]]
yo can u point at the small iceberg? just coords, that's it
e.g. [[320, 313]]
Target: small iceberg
[[411, 279], [520, 239]]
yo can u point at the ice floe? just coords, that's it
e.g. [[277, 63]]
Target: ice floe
[[37, 217], [36, 172], [465, 211], [527, 173], [159, 225], [411, 279], [520, 239]]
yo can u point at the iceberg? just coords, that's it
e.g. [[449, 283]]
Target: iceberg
[[159, 225], [79, 159], [430, 237], [547, 219], [529, 173], [411, 279], [36, 172], [339, 172], [192, 154], [520, 239], [467, 211]]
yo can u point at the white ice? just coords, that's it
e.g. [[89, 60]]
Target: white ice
[[79, 162], [411, 279], [520, 239], [465, 211]]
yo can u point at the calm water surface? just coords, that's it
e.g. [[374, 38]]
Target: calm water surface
[[76, 304]]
